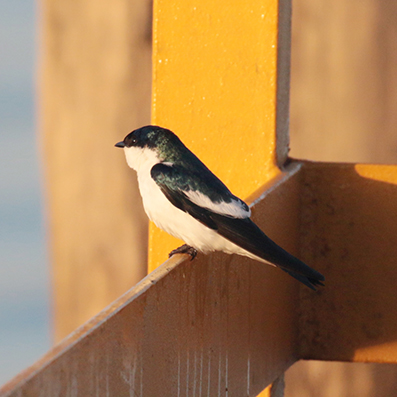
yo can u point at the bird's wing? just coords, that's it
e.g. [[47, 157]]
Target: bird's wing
[[228, 217], [201, 187]]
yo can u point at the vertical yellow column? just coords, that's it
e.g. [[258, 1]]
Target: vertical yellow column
[[215, 85]]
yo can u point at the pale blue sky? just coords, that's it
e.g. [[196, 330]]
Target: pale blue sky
[[24, 291]]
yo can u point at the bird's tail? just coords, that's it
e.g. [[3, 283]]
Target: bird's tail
[[247, 235], [312, 278], [308, 281]]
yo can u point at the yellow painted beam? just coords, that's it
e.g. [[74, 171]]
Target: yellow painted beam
[[215, 85]]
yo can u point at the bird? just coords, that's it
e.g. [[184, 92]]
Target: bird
[[185, 199]]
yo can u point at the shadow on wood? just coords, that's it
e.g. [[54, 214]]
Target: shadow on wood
[[348, 230]]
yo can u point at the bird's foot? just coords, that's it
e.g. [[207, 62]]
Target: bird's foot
[[184, 249]]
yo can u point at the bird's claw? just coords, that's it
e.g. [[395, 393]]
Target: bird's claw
[[184, 249]]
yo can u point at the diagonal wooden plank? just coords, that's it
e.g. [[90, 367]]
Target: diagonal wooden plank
[[220, 323]]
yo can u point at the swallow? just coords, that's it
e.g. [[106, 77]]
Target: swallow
[[185, 199]]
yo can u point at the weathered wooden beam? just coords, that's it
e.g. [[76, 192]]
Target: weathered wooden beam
[[220, 324]]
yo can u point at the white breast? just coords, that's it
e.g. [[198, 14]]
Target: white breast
[[173, 220], [168, 217]]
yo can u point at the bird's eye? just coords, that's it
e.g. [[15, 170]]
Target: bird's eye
[[132, 140]]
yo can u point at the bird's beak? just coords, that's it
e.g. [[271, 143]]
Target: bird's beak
[[120, 144]]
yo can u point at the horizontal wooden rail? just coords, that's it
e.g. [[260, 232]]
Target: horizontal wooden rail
[[226, 325]]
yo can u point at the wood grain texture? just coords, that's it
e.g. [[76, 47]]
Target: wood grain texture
[[95, 80]]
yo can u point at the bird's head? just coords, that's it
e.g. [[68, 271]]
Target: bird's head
[[150, 145]]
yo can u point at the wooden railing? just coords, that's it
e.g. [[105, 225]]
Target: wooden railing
[[225, 325]]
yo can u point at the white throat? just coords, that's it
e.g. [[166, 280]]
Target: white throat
[[141, 159]]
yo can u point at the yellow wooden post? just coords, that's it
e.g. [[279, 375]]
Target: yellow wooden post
[[215, 82]]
